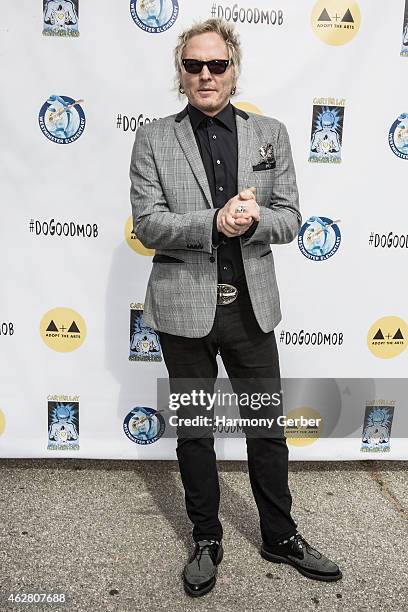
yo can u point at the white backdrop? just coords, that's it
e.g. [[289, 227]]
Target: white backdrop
[[119, 71]]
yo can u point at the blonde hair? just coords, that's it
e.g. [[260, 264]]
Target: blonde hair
[[220, 27]]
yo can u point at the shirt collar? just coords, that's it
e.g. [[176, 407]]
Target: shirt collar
[[226, 116]]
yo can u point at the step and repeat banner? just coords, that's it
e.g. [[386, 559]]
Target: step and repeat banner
[[79, 368]]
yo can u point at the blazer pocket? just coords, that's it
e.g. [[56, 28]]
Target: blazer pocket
[[266, 253], [166, 259], [263, 167]]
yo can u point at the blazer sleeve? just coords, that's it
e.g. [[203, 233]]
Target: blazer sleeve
[[154, 224], [280, 221]]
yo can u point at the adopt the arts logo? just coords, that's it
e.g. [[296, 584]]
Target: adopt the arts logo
[[134, 242], [2, 422], [144, 425], [336, 22], [248, 107], [62, 119], [304, 426], [319, 238], [154, 16], [388, 337], [63, 329], [398, 136]]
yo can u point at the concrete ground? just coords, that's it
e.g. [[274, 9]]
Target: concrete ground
[[113, 536]]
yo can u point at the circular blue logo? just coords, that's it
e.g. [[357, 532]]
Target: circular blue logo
[[398, 136], [144, 425], [154, 16], [319, 238], [62, 119]]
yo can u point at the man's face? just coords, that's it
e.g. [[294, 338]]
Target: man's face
[[207, 92]]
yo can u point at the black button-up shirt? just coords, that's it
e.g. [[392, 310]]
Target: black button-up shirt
[[218, 145]]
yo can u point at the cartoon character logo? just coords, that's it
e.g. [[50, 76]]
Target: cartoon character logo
[[154, 16], [144, 341], [63, 426], [325, 139], [144, 425], [60, 18], [319, 238], [325, 145], [143, 344], [62, 119], [398, 136], [377, 428], [404, 46]]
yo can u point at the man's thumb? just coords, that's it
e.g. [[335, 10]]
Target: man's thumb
[[248, 194]]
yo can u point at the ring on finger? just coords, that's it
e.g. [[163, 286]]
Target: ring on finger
[[240, 208]]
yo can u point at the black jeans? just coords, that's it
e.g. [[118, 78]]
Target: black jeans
[[247, 352]]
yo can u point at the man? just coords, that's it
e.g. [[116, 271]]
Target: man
[[211, 188]]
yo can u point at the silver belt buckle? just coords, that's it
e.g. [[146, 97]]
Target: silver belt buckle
[[226, 293]]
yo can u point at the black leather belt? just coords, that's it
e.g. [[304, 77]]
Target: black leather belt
[[226, 294]]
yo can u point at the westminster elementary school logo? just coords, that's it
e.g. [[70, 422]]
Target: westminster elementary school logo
[[319, 238], [398, 136], [327, 131], [62, 119], [144, 341], [144, 425], [60, 17], [63, 425], [154, 16], [377, 427], [336, 22]]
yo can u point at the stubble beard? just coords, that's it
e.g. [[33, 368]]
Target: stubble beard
[[210, 105]]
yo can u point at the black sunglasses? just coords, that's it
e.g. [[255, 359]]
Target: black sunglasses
[[214, 66]]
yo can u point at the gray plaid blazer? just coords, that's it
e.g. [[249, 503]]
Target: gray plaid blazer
[[173, 214]]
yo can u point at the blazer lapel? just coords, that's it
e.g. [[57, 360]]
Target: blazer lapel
[[186, 138], [245, 150]]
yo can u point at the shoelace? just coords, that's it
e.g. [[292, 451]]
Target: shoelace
[[300, 541], [302, 544], [204, 549]]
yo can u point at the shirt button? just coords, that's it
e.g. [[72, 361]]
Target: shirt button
[[220, 188], [212, 259], [214, 136], [210, 121], [218, 162], [225, 268]]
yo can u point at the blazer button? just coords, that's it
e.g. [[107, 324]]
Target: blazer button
[[212, 258]]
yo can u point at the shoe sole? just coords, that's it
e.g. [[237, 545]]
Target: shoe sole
[[278, 559], [209, 587]]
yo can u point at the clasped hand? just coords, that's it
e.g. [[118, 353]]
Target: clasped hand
[[233, 223]]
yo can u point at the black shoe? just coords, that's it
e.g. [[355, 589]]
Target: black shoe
[[307, 560], [200, 573]]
